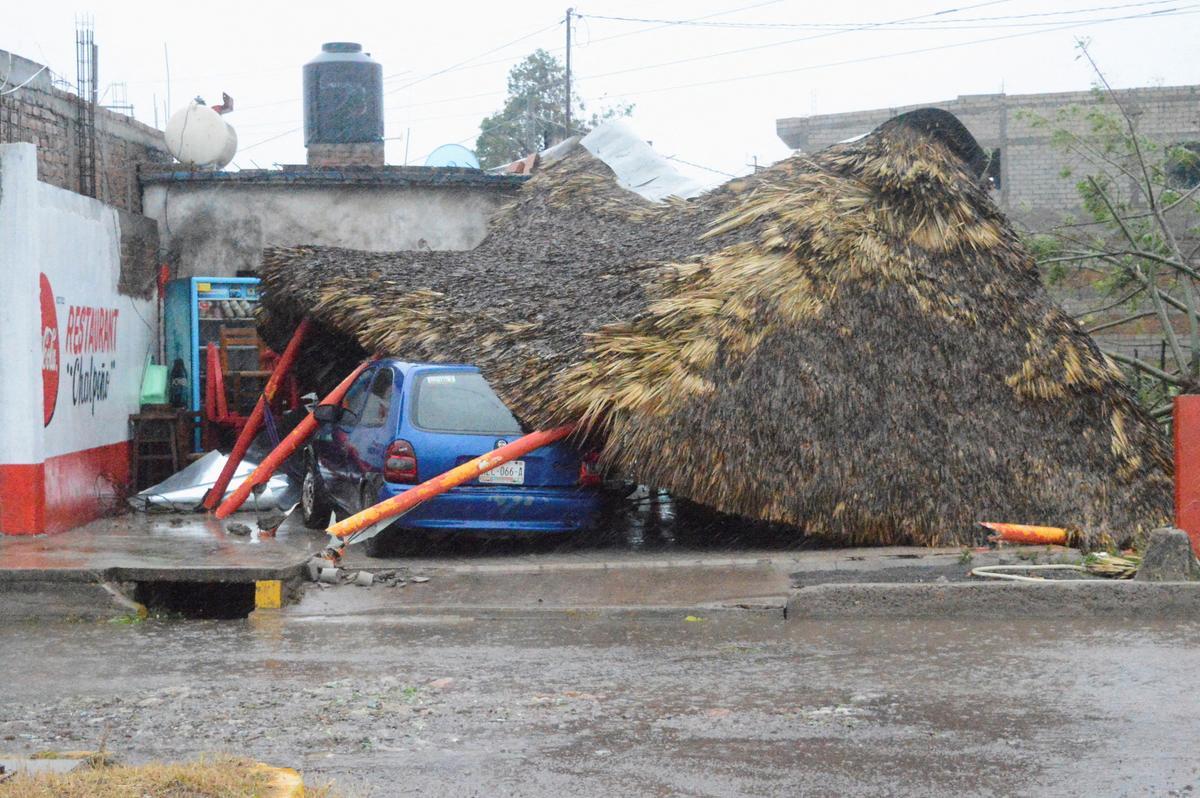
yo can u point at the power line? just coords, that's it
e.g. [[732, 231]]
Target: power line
[[422, 79], [864, 26], [594, 41], [883, 56], [699, 166], [264, 141], [666, 24], [949, 24], [689, 20], [460, 64]]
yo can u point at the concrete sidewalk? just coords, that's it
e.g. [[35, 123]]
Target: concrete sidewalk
[[151, 547], [95, 571]]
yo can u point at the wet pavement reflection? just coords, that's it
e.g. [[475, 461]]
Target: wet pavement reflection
[[595, 705]]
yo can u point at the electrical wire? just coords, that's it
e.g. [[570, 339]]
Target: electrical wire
[[264, 141], [667, 25], [461, 64], [949, 23], [22, 85], [865, 27], [699, 166], [884, 56], [561, 48], [1003, 572]]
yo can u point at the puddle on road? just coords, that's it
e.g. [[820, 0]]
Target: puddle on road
[[386, 620]]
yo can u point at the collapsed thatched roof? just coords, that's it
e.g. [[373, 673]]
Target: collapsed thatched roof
[[855, 342]]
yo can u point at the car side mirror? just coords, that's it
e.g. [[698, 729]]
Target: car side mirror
[[328, 414]]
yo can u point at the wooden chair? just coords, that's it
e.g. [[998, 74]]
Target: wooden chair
[[217, 413], [245, 384]]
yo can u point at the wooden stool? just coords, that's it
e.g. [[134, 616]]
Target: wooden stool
[[155, 445]]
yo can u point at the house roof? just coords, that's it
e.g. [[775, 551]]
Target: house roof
[[854, 343], [297, 174]]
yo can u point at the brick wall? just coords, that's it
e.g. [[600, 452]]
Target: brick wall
[[1033, 190], [45, 114]]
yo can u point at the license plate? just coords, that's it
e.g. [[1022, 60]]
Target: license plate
[[510, 473]]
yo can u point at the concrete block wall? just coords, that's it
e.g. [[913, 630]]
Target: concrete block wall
[[41, 113], [1033, 190]]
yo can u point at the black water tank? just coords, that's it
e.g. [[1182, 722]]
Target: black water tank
[[343, 96]]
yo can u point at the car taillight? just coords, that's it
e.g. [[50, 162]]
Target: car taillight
[[590, 473], [400, 463]]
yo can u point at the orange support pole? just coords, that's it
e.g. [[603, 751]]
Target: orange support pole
[[1024, 533], [286, 447], [398, 505], [1186, 428], [246, 436]]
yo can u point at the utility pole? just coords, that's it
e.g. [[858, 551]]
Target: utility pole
[[570, 11]]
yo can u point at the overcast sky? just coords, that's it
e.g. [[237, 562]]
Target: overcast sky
[[445, 62]]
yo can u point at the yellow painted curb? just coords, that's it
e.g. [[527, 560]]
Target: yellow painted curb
[[285, 782], [268, 594]]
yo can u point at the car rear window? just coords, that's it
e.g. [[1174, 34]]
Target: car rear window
[[461, 401]]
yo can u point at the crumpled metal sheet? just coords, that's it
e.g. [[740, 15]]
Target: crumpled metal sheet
[[637, 166], [185, 489]]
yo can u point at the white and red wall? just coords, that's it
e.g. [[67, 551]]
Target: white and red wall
[[72, 352]]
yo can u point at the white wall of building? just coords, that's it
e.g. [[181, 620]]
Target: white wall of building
[[74, 348], [216, 229]]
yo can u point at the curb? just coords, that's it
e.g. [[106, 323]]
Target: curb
[[121, 573], [463, 613], [1063, 599]]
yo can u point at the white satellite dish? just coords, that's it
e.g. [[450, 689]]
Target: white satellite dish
[[199, 136]]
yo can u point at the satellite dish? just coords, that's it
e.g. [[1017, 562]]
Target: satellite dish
[[452, 155], [197, 135]]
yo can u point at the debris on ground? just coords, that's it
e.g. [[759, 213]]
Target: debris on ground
[[184, 490], [238, 528], [853, 342], [1168, 558]]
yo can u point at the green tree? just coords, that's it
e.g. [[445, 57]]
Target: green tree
[[1137, 242], [534, 114]]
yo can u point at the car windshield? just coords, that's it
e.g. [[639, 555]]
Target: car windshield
[[460, 401]]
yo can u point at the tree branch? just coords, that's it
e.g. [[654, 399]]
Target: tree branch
[[1153, 371], [1118, 303], [1110, 324], [1168, 330], [1147, 188]]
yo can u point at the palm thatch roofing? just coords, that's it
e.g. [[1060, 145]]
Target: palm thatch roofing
[[855, 343]]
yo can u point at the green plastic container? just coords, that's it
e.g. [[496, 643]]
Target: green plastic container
[[154, 384]]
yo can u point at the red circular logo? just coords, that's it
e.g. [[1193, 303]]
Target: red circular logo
[[49, 351]]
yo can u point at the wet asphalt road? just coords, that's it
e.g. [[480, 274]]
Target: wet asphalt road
[[597, 706]]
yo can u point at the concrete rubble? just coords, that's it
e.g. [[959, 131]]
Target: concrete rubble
[[1168, 558]]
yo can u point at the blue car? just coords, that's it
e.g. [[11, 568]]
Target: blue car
[[403, 423]]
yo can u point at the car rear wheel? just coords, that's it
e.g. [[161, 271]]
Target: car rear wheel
[[313, 504], [380, 544]]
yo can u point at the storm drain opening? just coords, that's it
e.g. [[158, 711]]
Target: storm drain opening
[[201, 600]]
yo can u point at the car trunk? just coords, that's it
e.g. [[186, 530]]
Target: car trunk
[[457, 417]]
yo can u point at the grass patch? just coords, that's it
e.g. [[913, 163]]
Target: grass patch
[[209, 777]]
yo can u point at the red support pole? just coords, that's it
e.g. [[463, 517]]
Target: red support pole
[[294, 440], [402, 503], [246, 436], [1187, 466]]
